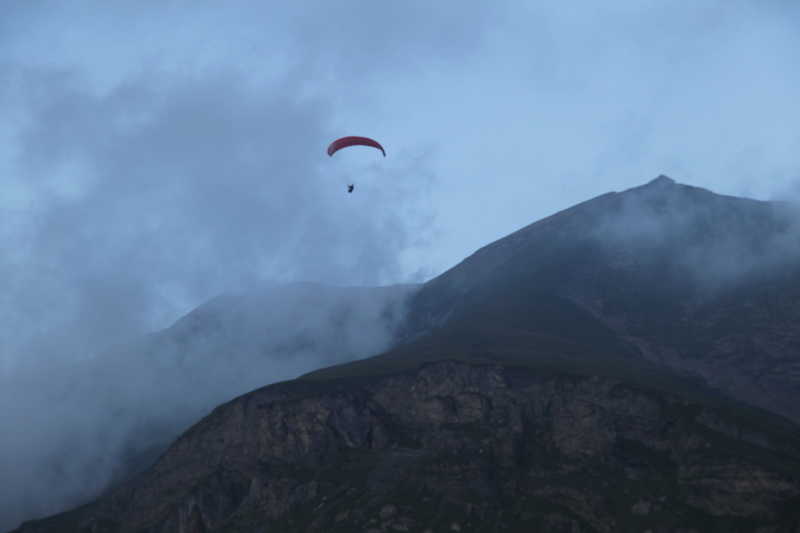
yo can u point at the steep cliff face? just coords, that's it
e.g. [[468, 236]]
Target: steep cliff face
[[462, 447]]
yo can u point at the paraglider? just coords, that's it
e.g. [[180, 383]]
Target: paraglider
[[344, 142]]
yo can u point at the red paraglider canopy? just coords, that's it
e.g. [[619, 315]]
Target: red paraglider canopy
[[344, 142]]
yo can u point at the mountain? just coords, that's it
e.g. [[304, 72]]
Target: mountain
[[622, 365], [706, 284]]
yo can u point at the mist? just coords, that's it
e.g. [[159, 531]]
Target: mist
[[85, 426], [136, 205], [160, 157], [714, 242]]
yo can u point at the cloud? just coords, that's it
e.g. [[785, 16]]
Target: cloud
[[162, 193], [80, 426], [705, 240], [127, 205]]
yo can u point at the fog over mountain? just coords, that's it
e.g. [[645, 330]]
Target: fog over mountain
[[588, 372], [79, 428], [156, 156], [652, 275]]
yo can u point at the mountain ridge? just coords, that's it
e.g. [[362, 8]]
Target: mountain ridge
[[653, 263]]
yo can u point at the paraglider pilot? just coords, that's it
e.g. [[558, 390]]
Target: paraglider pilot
[[344, 142]]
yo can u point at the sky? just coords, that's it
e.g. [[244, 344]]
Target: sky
[[156, 154]]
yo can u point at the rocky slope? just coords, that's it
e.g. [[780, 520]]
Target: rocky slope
[[462, 447]]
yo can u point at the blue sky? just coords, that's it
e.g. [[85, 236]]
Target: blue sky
[[155, 154]]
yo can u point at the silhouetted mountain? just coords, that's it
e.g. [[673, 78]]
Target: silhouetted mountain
[[586, 373], [708, 285]]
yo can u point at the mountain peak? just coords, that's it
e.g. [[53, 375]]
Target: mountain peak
[[661, 181]]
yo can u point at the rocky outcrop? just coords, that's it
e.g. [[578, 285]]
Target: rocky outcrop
[[462, 447]]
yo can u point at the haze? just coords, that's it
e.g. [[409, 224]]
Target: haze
[[154, 155]]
